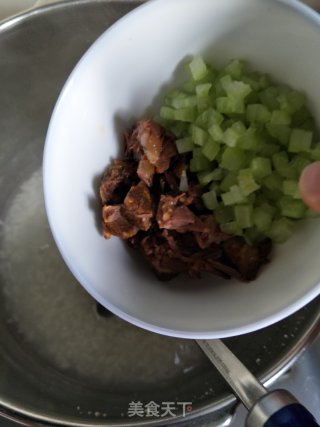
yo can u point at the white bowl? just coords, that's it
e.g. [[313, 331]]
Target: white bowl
[[126, 71]]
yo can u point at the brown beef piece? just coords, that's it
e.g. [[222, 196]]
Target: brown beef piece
[[212, 233], [172, 181], [115, 180], [150, 140], [115, 223], [162, 258], [169, 150], [149, 135], [173, 213], [133, 148], [138, 206], [247, 259], [146, 171], [209, 264], [179, 165]]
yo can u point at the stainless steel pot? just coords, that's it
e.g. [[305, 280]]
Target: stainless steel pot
[[62, 359]]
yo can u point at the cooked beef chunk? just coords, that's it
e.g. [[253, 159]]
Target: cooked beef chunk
[[138, 206], [146, 171], [247, 259], [168, 151], [162, 257], [173, 214], [143, 205], [148, 139], [211, 233], [149, 135], [172, 182], [115, 223], [116, 180]]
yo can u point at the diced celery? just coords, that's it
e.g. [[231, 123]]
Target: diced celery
[[279, 132], [250, 140], [225, 82], [239, 90], [211, 149], [208, 118], [228, 181], [261, 167], [233, 197], [246, 182], [199, 163], [226, 105], [239, 127], [197, 152], [217, 174], [210, 200], [233, 159], [238, 194], [185, 114], [199, 136], [235, 89], [216, 132], [189, 86], [202, 90], [279, 117], [280, 230], [252, 236], [298, 163], [167, 113], [170, 96], [226, 124], [300, 141], [243, 215], [230, 227], [290, 188], [273, 182], [184, 145], [235, 68], [231, 137], [179, 129], [292, 208], [262, 219], [184, 102], [270, 209], [291, 101], [224, 214], [233, 134], [183, 186], [198, 68], [315, 153], [272, 195], [268, 149], [282, 166], [301, 116], [258, 113], [227, 199], [269, 97], [216, 187], [215, 117]]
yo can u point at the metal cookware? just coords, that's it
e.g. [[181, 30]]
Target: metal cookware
[[62, 359]]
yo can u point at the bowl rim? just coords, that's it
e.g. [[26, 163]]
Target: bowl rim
[[295, 5]]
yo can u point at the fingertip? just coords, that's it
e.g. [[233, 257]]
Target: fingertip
[[309, 186]]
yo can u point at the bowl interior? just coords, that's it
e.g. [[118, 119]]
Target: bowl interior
[[125, 73]]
